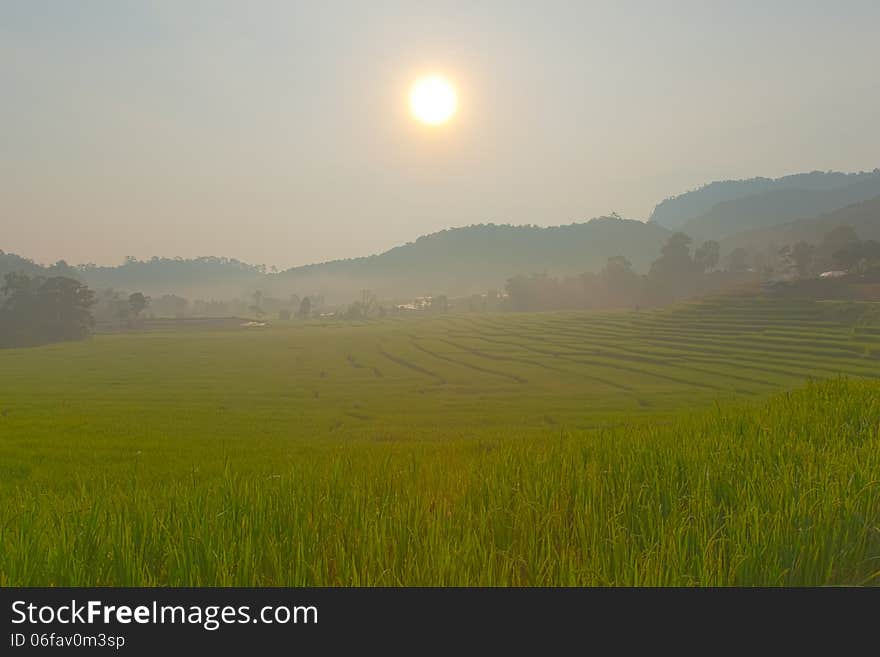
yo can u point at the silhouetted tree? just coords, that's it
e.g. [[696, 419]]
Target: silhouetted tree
[[835, 240], [706, 257], [305, 308], [368, 302], [799, 258], [675, 258], [170, 305], [257, 306], [802, 257], [672, 274], [622, 284], [737, 261], [137, 302], [857, 256], [355, 310], [38, 310], [440, 303]]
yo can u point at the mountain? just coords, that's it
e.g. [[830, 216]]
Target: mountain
[[677, 211], [473, 259], [777, 207], [864, 217], [457, 261]]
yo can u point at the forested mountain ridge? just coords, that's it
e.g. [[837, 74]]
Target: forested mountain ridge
[[475, 258], [776, 207], [675, 212], [863, 217], [453, 261]]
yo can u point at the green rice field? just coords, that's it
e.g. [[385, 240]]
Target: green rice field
[[734, 441]]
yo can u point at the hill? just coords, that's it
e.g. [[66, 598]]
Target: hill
[[457, 261], [473, 259], [777, 207], [677, 211], [864, 217]]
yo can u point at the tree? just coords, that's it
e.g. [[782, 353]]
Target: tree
[[675, 258], [305, 308], [802, 257], [857, 256], [170, 305], [672, 274], [138, 303], [524, 293], [368, 302], [838, 239], [440, 304], [257, 306], [799, 258], [737, 261], [707, 255], [356, 310], [870, 252], [622, 284], [38, 310], [121, 311]]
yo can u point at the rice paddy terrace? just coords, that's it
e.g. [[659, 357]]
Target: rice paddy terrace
[[440, 376], [552, 449]]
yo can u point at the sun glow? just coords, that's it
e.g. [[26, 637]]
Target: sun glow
[[432, 100]]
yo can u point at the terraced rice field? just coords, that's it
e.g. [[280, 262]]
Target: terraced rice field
[[484, 449]]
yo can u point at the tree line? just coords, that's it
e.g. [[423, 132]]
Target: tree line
[[42, 305], [682, 271], [39, 309]]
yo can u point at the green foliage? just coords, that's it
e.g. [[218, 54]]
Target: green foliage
[[137, 302], [858, 256], [554, 449], [305, 308], [36, 310], [674, 275], [456, 262], [675, 268], [737, 260], [707, 255], [800, 258]]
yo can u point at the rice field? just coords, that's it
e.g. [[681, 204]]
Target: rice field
[[730, 442]]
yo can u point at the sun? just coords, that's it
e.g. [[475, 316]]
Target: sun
[[432, 100]]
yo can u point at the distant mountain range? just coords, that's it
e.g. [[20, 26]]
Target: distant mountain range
[[460, 261], [455, 262], [864, 217], [714, 206], [776, 207]]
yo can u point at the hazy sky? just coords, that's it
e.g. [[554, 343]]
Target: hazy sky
[[278, 132]]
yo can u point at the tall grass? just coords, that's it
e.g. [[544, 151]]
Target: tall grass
[[782, 492]]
